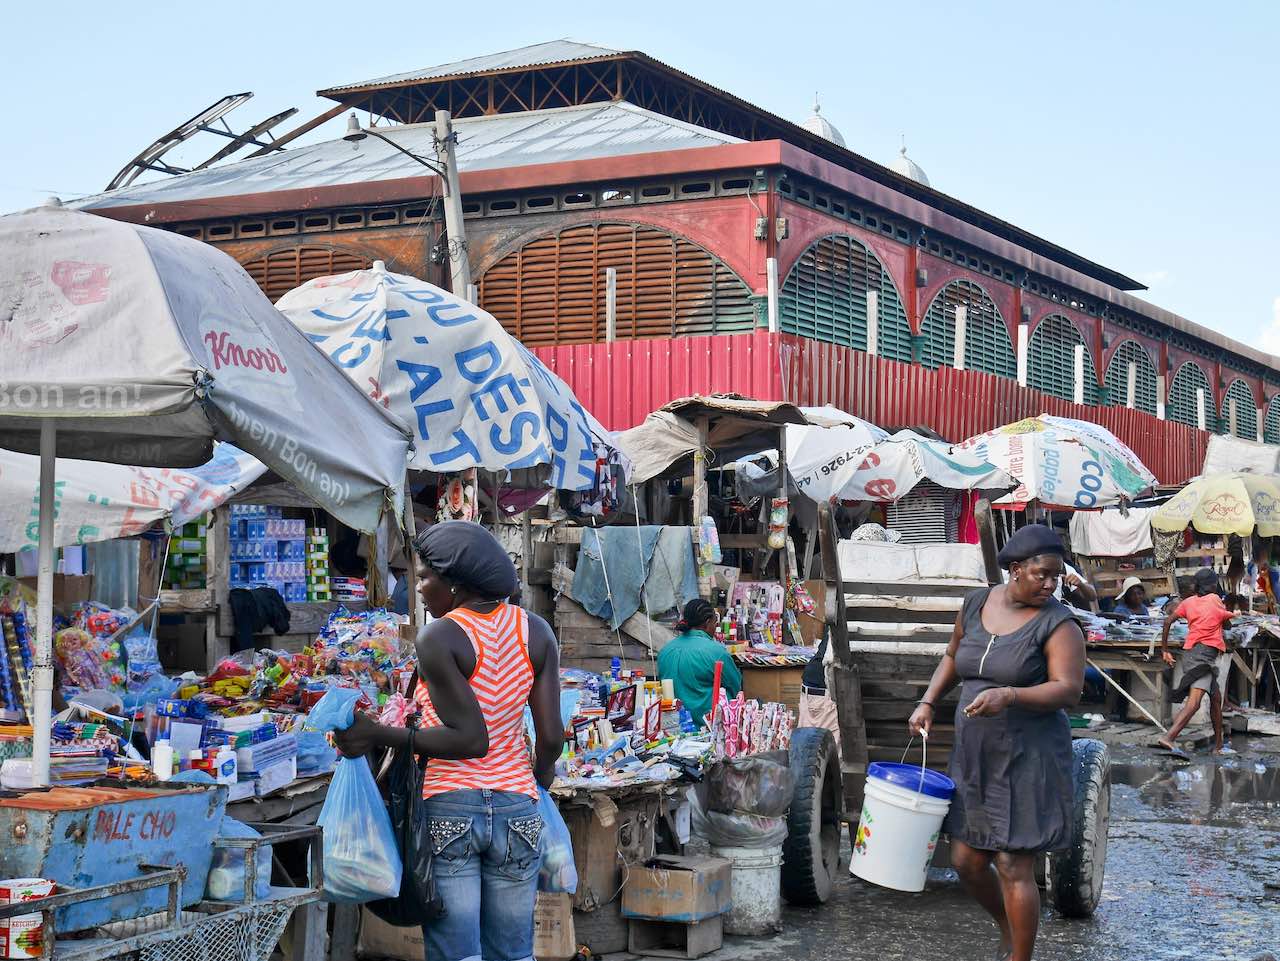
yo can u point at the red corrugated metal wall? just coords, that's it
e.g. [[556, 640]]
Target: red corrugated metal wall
[[622, 382]]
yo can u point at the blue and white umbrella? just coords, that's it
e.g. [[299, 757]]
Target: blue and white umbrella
[[471, 393]]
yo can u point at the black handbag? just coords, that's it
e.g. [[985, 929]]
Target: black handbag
[[418, 902]]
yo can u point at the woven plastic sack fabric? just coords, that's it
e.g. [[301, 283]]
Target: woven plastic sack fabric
[[335, 711], [361, 860], [751, 785], [557, 874]]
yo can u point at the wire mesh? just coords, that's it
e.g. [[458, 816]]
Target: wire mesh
[[249, 933]]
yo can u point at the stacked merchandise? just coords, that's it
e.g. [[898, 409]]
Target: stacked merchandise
[[188, 558], [318, 565], [15, 664], [268, 550], [349, 589]]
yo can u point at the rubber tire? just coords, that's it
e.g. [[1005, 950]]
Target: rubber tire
[[811, 852], [1077, 874]]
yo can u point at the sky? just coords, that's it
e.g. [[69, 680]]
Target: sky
[[1141, 135]]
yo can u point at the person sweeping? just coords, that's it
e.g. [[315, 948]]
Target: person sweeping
[[1206, 616]]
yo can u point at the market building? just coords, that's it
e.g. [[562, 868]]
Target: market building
[[741, 251]]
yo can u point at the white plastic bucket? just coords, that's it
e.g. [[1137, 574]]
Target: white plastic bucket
[[756, 890], [23, 936], [902, 812]]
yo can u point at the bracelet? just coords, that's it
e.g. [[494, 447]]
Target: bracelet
[[1013, 698], [924, 702]]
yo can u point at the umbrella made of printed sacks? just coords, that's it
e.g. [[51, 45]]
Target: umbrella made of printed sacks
[[100, 502], [893, 467], [143, 346], [1062, 462], [133, 345], [472, 394], [1232, 503], [819, 457]]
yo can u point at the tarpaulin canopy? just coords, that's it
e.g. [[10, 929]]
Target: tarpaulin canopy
[[1062, 462], [473, 395], [144, 346], [100, 502], [1232, 503]]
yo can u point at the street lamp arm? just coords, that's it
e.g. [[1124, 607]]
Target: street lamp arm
[[434, 168]]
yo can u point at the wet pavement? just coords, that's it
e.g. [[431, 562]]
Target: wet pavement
[[1192, 848]]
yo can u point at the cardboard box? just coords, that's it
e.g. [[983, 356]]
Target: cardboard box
[[780, 685], [671, 939], [811, 627], [68, 589], [672, 888], [381, 940], [553, 935]]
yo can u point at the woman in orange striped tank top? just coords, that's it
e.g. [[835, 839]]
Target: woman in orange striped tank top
[[482, 660]]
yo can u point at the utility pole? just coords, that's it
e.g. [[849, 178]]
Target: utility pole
[[459, 265]]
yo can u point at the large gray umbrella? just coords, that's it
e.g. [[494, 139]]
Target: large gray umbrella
[[133, 345]]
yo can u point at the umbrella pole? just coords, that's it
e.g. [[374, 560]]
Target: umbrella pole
[[42, 668]]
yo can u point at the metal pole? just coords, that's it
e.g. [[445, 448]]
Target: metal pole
[[1132, 387], [411, 532], [1160, 397], [1022, 355], [771, 277], [1079, 374], [611, 304], [1200, 411], [459, 265], [42, 668], [473, 294]]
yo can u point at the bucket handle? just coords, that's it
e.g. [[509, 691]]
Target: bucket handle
[[924, 749]]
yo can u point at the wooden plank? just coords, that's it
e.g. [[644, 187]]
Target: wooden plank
[[642, 628], [743, 541], [566, 535], [218, 625], [346, 924], [911, 588], [309, 923], [187, 602], [986, 525]]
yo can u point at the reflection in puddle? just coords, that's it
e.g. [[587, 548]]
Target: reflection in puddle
[[1218, 790]]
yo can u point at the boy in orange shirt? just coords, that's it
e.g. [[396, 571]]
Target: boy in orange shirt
[[1205, 615]]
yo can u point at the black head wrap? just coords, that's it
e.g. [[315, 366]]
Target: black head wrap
[[1206, 581], [1030, 541], [467, 555], [696, 613]]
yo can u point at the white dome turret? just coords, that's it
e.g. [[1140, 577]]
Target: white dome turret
[[904, 165], [821, 126]]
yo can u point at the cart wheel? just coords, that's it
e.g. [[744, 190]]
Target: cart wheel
[[1077, 873], [812, 850]]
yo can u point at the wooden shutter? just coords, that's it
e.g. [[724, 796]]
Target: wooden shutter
[[1182, 396], [1246, 410], [279, 272], [553, 290], [1051, 360], [1144, 391], [986, 338], [825, 298]]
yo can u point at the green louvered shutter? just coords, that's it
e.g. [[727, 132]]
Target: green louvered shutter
[[1182, 395], [1246, 410], [1271, 426], [1051, 360], [1144, 392], [824, 298], [986, 338]]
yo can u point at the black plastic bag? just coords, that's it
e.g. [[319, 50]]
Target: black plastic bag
[[418, 902]]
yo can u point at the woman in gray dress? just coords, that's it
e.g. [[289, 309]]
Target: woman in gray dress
[[1020, 658]]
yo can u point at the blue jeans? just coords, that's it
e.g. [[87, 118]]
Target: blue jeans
[[486, 860]]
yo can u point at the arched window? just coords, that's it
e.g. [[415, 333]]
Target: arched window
[[1051, 360], [1246, 410], [1144, 386], [1271, 426], [986, 338], [280, 271], [825, 298], [553, 289], [1189, 379]]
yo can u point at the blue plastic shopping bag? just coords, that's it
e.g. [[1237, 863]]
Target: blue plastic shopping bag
[[361, 859], [557, 875]]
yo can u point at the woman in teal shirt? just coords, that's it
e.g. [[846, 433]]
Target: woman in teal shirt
[[689, 661]]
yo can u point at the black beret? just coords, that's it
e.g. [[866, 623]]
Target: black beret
[[1030, 541]]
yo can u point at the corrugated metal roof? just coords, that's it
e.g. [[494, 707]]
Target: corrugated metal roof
[[484, 143], [534, 55]]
